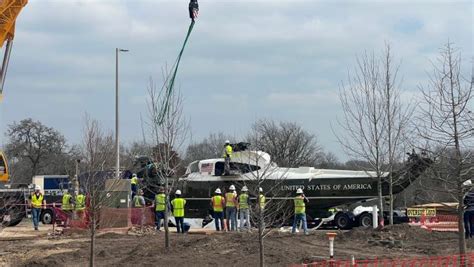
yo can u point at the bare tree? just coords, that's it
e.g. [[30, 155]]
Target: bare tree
[[397, 116], [364, 121], [98, 156], [288, 143], [260, 171], [445, 124], [210, 147], [32, 143], [169, 133]]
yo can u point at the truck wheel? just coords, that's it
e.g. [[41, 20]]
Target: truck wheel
[[343, 221], [47, 217], [365, 220], [15, 216]]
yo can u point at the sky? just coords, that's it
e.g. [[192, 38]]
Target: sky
[[245, 60]]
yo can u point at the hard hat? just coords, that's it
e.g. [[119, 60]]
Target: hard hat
[[260, 189], [134, 175], [227, 141], [140, 192], [299, 191], [178, 192], [232, 187], [65, 191], [37, 187], [245, 189], [467, 183], [218, 191]]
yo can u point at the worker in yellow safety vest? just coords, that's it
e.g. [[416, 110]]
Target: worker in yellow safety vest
[[261, 199], [231, 209], [300, 211], [178, 204], [37, 204], [218, 204], [227, 155], [139, 200], [67, 202], [160, 207], [134, 184], [244, 208], [80, 204]]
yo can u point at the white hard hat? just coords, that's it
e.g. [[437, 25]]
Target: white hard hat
[[467, 183], [218, 191], [299, 191], [227, 141], [260, 189], [245, 189], [37, 187], [232, 187], [134, 175], [178, 192]]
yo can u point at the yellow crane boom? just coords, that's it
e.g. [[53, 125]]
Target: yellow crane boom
[[9, 10]]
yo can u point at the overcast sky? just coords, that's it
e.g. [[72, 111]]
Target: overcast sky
[[245, 60]]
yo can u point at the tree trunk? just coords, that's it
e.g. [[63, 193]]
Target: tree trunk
[[165, 223], [461, 237], [390, 189], [260, 238], [92, 241], [379, 189]]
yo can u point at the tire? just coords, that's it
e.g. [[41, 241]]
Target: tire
[[343, 221], [16, 216], [365, 220], [47, 217]]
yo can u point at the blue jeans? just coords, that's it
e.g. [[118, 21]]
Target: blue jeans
[[219, 219], [179, 224], [468, 223], [296, 221], [158, 216], [35, 214], [231, 216], [244, 216]]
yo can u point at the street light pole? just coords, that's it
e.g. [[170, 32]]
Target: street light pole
[[117, 144]]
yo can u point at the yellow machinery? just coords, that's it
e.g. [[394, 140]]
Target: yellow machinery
[[9, 10]]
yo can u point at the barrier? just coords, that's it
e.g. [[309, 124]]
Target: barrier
[[449, 260], [440, 223]]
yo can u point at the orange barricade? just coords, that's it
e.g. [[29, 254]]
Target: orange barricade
[[449, 260]]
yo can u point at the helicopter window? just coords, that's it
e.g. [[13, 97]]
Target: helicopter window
[[219, 168], [2, 161], [242, 167], [194, 167]]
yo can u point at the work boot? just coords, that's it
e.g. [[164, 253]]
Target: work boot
[[36, 229]]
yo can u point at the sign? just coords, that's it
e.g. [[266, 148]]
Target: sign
[[418, 212]]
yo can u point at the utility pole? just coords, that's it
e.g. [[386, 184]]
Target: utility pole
[[117, 144]]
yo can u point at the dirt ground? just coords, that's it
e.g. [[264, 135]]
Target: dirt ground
[[20, 246]]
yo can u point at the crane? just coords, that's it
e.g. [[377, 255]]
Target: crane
[[9, 11]]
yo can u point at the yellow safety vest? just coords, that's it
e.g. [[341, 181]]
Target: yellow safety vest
[[230, 199], [160, 202], [136, 200], [217, 203], [80, 202], [227, 151], [300, 206], [244, 201], [134, 180], [261, 199], [37, 202], [178, 207], [66, 205]]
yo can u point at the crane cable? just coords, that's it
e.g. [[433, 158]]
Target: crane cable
[[193, 11]]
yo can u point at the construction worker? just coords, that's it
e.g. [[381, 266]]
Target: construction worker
[[218, 204], [227, 155], [160, 207], [300, 211], [231, 209], [178, 204], [37, 204], [134, 184], [261, 198], [80, 201], [139, 200], [244, 208], [468, 209], [67, 203]]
